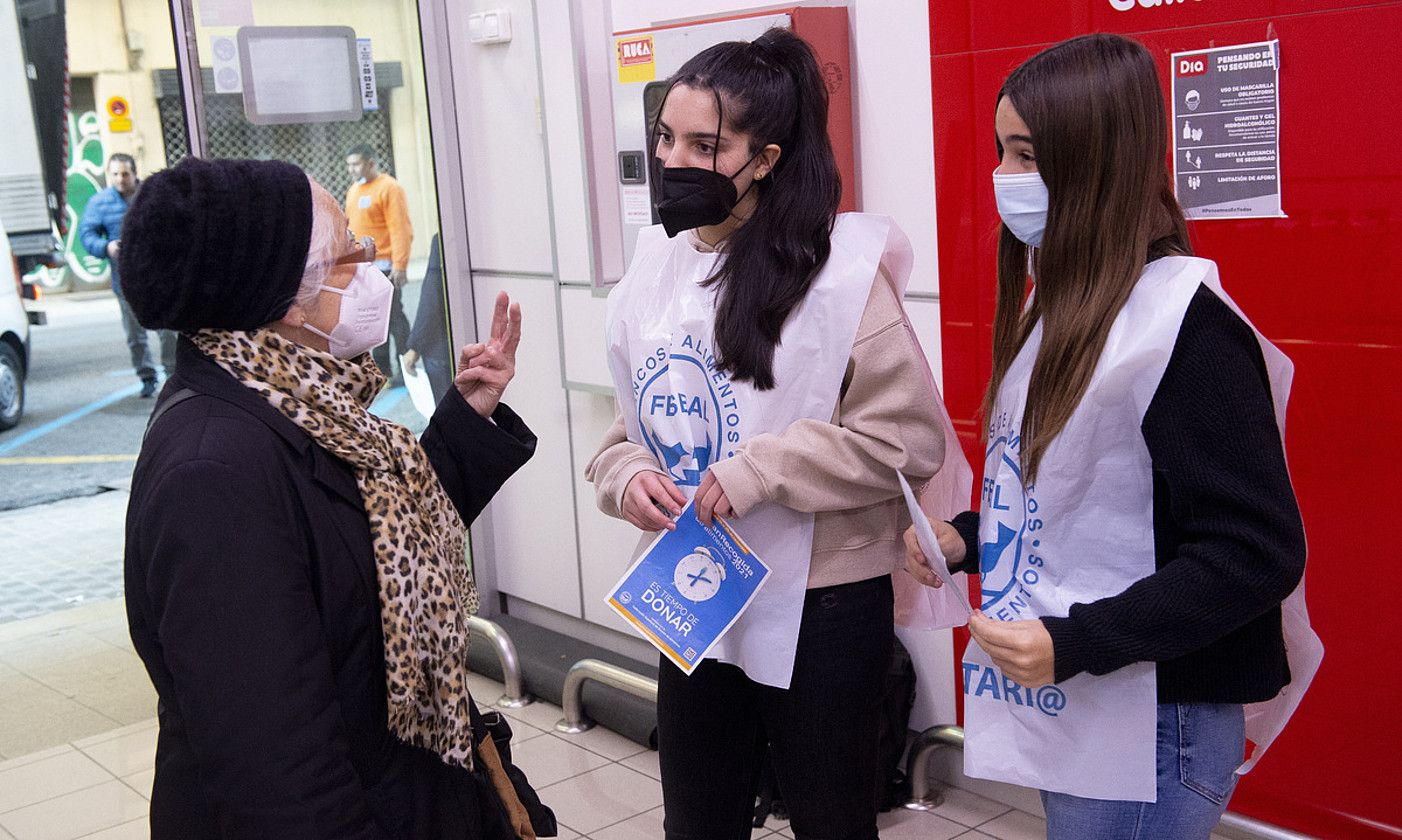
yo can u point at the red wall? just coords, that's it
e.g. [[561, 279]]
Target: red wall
[[1324, 284]]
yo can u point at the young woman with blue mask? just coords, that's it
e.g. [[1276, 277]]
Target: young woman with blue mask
[[1139, 548], [764, 367]]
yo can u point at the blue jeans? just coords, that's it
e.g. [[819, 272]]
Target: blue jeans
[[398, 330], [1200, 745], [143, 361]]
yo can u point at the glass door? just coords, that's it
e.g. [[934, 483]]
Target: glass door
[[338, 88]]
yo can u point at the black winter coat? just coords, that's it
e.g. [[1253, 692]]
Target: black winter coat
[[251, 595]]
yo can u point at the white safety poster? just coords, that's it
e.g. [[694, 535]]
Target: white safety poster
[[227, 76], [226, 12], [1226, 131], [637, 206], [369, 95]]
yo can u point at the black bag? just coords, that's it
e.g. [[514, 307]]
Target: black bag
[[897, 701], [893, 788], [492, 724]]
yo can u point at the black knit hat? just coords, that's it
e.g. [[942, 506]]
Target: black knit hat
[[216, 244]]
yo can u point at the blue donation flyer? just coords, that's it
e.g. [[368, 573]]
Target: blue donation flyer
[[689, 587]]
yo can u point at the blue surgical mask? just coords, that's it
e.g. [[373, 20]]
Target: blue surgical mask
[[1022, 202]]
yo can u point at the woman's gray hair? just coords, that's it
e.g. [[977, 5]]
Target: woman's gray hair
[[328, 240]]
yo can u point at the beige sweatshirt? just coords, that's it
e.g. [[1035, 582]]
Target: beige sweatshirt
[[844, 470]]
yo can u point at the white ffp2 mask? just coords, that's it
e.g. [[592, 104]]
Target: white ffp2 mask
[[364, 321], [1022, 202]]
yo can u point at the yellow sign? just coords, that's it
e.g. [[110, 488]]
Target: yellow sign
[[118, 107], [119, 124], [636, 62]]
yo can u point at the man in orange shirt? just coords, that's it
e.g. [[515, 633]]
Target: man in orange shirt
[[377, 207]]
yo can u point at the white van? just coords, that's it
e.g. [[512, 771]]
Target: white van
[[14, 337], [25, 197]]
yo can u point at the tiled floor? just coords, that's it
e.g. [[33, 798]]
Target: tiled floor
[[92, 788], [601, 785], [77, 728], [605, 787], [68, 675]]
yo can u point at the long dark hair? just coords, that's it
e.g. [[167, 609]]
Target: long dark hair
[[772, 90], [1096, 114]]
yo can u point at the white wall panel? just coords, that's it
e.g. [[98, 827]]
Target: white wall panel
[[503, 160], [605, 544], [932, 652], [582, 315], [565, 143], [534, 548], [637, 14], [895, 133], [925, 318]]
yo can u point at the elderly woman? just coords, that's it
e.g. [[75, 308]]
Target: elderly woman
[[295, 570]]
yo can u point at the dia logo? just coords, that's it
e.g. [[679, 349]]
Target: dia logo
[[1126, 5]]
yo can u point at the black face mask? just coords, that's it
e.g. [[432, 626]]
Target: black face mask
[[693, 197]]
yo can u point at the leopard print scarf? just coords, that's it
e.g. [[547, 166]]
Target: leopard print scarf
[[426, 588]]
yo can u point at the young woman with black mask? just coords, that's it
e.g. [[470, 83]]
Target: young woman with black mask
[[1139, 546], [764, 366]]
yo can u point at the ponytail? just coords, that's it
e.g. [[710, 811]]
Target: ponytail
[[777, 95]]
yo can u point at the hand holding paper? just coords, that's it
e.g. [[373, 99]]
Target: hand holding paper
[[711, 500], [1022, 650], [947, 541], [651, 502], [934, 571], [689, 587]]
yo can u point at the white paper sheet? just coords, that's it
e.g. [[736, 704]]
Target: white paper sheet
[[420, 392], [930, 544]]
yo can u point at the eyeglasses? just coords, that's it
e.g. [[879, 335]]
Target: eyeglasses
[[362, 251]]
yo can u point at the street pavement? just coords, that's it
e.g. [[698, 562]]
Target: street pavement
[[82, 421], [65, 471]]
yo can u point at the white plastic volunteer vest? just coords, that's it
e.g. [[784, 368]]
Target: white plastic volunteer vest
[[690, 415], [1085, 531]]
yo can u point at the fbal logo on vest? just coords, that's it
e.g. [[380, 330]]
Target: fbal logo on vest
[[1010, 564], [687, 409]]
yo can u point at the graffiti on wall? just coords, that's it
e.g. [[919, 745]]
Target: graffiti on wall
[[80, 270]]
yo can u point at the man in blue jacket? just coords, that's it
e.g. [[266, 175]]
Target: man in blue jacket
[[101, 232]]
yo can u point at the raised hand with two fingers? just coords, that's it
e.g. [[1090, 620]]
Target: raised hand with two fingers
[[486, 368]]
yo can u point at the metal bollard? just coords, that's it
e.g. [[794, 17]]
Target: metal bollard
[[585, 670], [917, 766], [515, 696], [1246, 828]]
